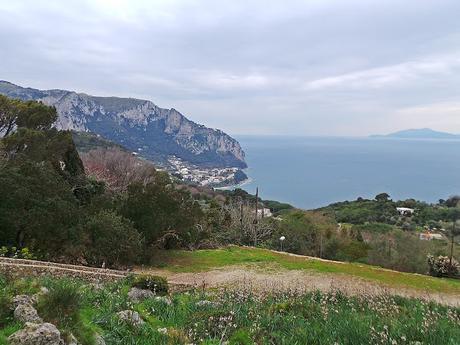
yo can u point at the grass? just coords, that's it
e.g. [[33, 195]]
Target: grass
[[204, 260], [243, 318]]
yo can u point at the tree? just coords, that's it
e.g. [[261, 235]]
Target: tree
[[111, 239], [117, 168], [37, 207], [158, 208], [15, 114], [453, 201], [382, 197]]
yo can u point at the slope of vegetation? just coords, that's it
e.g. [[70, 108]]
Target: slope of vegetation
[[204, 260], [236, 317]]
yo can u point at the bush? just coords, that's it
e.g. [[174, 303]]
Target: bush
[[158, 285], [442, 267], [61, 305], [112, 239]]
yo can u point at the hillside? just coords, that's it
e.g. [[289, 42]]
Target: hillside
[[235, 295], [139, 125], [269, 270]]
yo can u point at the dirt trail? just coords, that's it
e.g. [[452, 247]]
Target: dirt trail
[[294, 280], [240, 277]]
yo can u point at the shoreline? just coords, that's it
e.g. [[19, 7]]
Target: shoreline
[[233, 186]]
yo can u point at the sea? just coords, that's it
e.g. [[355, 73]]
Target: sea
[[311, 172]]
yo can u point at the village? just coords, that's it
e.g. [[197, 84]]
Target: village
[[210, 177]]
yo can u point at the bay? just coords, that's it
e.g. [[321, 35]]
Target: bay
[[311, 172]]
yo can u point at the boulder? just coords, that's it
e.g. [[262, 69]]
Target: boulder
[[24, 299], [137, 295], [27, 313], [131, 317], [37, 334]]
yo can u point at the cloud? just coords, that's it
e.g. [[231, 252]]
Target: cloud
[[399, 74], [299, 67]]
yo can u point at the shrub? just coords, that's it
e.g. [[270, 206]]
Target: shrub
[[158, 285], [112, 239], [61, 305], [442, 267]]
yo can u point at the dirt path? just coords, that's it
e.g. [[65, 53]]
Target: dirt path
[[262, 281], [240, 277]]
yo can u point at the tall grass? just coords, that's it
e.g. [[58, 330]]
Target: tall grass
[[244, 317]]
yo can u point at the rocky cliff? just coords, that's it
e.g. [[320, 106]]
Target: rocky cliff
[[138, 125]]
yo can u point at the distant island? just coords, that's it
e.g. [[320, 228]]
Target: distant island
[[421, 133]]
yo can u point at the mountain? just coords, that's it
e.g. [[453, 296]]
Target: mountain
[[155, 133], [422, 133]]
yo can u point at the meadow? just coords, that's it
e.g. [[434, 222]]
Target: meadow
[[221, 316], [204, 260]]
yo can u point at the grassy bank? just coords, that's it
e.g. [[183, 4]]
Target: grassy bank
[[239, 317], [203, 260]]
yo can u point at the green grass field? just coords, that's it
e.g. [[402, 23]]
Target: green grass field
[[204, 260], [236, 317]]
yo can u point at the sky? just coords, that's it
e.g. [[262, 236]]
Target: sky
[[318, 67]]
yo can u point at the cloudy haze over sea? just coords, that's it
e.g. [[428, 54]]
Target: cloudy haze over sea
[[260, 67]]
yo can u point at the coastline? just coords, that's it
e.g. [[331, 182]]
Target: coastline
[[234, 186]]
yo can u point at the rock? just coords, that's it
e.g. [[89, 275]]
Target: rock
[[98, 340], [137, 295], [27, 313], [37, 334], [163, 299], [24, 299], [131, 317], [142, 123]]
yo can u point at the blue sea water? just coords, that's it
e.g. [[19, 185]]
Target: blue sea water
[[311, 172]]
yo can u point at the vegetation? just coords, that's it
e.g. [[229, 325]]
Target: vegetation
[[158, 285], [243, 317], [203, 260], [105, 207]]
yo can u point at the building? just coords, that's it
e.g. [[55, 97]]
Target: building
[[428, 236], [405, 211]]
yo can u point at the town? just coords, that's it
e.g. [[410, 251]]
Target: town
[[210, 177]]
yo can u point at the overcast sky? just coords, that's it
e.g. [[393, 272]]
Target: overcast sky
[[313, 67]]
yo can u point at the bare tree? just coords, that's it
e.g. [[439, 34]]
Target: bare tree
[[117, 168], [244, 217]]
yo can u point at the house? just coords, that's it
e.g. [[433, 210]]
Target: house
[[264, 212], [427, 236], [405, 211]]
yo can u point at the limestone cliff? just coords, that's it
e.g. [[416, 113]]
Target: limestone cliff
[[138, 125]]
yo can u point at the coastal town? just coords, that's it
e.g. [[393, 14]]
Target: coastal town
[[211, 177]]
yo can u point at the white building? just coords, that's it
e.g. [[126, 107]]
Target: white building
[[405, 211]]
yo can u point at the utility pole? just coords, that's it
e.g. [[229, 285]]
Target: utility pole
[[452, 235], [257, 215]]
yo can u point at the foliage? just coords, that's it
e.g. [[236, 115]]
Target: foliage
[[62, 303], [443, 266], [203, 260], [158, 208], [111, 239], [243, 317], [158, 285]]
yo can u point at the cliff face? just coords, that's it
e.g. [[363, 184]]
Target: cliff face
[[138, 125]]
